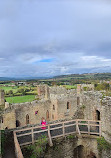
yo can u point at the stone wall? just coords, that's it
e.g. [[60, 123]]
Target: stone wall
[[86, 87], [8, 120], [106, 154], [106, 118], [71, 147], [40, 106], [2, 100], [61, 90], [63, 110], [89, 87], [89, 103], [41, 91], [52, 109], [93, 102]]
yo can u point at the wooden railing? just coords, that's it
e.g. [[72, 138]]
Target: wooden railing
[[18, 151], [29, 135]]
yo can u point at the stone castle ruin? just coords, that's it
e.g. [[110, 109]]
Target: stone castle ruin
[[58, 103]]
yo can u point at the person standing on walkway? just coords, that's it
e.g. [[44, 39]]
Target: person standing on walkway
[[43, 123]]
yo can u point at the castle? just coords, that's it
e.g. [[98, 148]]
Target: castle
[[56, 103]]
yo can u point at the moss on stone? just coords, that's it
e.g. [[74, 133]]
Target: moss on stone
[[83, 107], [103, 144], [71, 136], [36, 150]]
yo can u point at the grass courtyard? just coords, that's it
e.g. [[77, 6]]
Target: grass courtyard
[[20, 99], [70, 86]]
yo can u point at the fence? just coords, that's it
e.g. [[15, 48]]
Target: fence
[[30, 135], [18, 151]]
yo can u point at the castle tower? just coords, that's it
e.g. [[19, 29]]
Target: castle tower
[[41, 90], [2, 99], [78, 89], [46, 92]]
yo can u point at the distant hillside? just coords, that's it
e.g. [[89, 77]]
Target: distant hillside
[[6, 79], [21, 78], [100, 76], [93, 76]]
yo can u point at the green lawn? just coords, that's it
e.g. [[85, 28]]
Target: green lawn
[[20, 99], [70, 87], [14, 89]]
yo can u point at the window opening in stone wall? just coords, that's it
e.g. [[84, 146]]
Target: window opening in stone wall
[[27, 119], [36, 112], [17, 123], [78, 100], [68, 106], [53, 107], [52, 116], [47, 114], [2, 120], [79, 151], [97, 115]]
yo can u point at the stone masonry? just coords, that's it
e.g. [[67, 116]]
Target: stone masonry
[[2, 100]]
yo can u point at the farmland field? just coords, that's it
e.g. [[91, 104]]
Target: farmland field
[[18, 90], [14, 89], [70, 87], [20, 99]]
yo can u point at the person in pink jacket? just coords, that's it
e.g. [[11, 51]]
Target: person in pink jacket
[[43, 123]]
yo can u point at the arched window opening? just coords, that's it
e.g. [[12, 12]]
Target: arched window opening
[[79, 151], [17, 123], [78, 100], [2, 120], [53, 107], [68, 106], [47, 115], [27, 119], [97, 115]]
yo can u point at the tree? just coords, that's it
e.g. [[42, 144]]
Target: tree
[[22, 90], [10, 92]]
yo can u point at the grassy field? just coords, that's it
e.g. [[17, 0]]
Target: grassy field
[[32, 90], [14, 89], [20, 99], [70, 87]]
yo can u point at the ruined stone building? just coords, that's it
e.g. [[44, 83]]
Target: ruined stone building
[[58, 103]]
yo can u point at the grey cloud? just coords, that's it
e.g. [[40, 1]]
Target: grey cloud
[[68, 31]]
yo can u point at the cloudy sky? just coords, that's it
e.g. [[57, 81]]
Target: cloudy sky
[[54, 37]]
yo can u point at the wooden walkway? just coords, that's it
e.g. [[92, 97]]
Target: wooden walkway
[[30, 135]]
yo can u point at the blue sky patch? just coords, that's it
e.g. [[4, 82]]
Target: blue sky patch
[[47, 60]]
